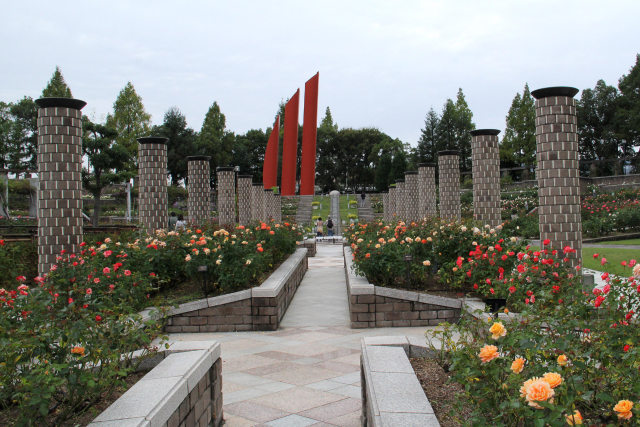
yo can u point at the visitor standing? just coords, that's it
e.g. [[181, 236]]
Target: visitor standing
[[362, 196], [180, 223], [172, 221], [329, 227], [319, 229]]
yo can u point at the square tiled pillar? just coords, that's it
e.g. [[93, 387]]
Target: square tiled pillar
[[60, 178], [244, 199], [427, 204], [267, 205], [277, 208], [449, 181], [401, 201], [226, 178], [385, 206], [199, 189], [393, 191], [485, 161], [411, 195], [256, 201], [558, 169], [152, 174]]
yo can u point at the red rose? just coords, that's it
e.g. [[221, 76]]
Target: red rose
[[98, 318]]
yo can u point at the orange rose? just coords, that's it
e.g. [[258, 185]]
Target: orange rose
[[518, 365], [553, 379], [562, 360], [525, 385], [574, 419], [77, 350], [497, 330], [488, 353], [623, 409], [538, 391]]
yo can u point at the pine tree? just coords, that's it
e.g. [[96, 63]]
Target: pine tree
[[518, 146], [57, 87], [463, 127], [628, 114], [446, 130], [182, 143], [214, 140], [427, 144]]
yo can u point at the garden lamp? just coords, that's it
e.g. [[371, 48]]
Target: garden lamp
[[204, 278]]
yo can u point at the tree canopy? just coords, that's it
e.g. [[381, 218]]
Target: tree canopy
[[518, 145], [57, 87]]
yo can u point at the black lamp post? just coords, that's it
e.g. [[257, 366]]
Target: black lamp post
[[408, 258], [204, 278]]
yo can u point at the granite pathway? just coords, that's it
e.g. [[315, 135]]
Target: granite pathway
[[308, 371]]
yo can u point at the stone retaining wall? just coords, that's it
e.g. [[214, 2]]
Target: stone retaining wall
[[373, 306], [184, 389], [257, 309]]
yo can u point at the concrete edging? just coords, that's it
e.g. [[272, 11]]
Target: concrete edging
[[185, 386]]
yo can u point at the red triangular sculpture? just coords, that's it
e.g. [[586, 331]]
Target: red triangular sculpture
[[270, 166], [290, 146], [309, 133]]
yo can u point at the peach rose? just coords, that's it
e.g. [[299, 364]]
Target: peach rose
[[623, 409], [488, 353], [497, 330], [574, 419], [517, 365], [553, 379], [538, 390], [562, 360]]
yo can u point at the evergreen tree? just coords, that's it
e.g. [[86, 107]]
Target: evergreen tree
[[23, 136], [383, 172], [57, 87], [463, 124], [427, 144], [446, 130], [248, 152], [130, 121], [328, 151], [628, 112], [5, 132], [107, 162], [398, 166], [182, 143], [214, 140], [518, 146]]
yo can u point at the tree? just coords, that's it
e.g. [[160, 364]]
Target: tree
[[327, 152], [57, 87], [130, 121], [182, 143], [6, 124], [518, 146], [463, 126], [628, 112], [107, 161], [214, 140], [446, 130], [23, 137], [597, 136], [248, 152], [427, 144]]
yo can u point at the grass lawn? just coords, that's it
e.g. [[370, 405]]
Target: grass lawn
[[344, 207], [620, 242], [614, 256]]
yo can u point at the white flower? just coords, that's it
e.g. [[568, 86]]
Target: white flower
[[426, 263], [218, 261], [246, 263], [187, 258]]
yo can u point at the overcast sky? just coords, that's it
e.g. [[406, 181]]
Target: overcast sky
[[381, 63]]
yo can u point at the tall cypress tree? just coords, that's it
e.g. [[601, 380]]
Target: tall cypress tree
[[214, 140], [427, 144], [57, 87], [463, 122], [518, 145]]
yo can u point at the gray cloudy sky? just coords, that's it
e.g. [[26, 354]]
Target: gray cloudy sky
[[381, 63]]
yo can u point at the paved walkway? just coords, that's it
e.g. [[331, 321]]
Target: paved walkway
[[307, 372]]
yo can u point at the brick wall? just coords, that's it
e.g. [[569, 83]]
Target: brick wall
[[558, 169], [244, 199], [199, 189], [385, 206], [277, 208], [226, 178], [427, 204], [401, 201], [256, 201], [449, 184], [60, 178], [393, 191], [485, 160], [411, 195], [153, 204]]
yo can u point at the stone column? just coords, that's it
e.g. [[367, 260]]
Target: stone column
[[267, 212], [558, 169], [153, 200], [277, 208], [427, 204], [256, 201], [385, 206], [244, 199], [411, 195], [449, 180], [199, 188], [60, 175], [401, 202], [485, 161], [393, 191], [226, 178]]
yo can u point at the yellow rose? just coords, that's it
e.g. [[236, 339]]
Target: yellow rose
[[426, 263], [562, 360], [517, 365], [497, 330], [553, 379], [574, 419], [538, 391], [623, 409], [488, 353]]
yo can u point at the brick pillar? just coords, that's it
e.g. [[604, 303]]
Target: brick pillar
[[256, 201], [411, 195], [427, 205], [267, 205], [199, 188], [449, 180], [485, 160], [385, 206], [558, 169], [401, 202], [60, 178], [226, 178], [393, 192], [244, 199], [153, 200], [277, 208]]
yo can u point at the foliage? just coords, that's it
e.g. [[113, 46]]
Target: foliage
[[628, 112], [23, 135], [605, 213], [181, 143], [57, 87], [582, 345], [518, 145], [214, 140], [427, 150], [16, 259]]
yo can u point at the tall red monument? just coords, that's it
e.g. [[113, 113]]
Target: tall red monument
[[290, 146], [309, 131], [270, 166]]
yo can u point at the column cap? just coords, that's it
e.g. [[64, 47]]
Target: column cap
[[449, 153], [555, 91], [427, 165], [256, 184], [245, 176], [190, 158], [152, 140], [479, 132], [76, 104], [411, 173], [399, 180], [225, 169], [268, 189]]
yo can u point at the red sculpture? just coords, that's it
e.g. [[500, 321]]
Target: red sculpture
[[290, 146], [309, 131], [270, 166]]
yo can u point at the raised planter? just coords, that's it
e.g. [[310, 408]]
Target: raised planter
[[256, 309], [184, 388], [373, 306], [310, 244], [391, 392]]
